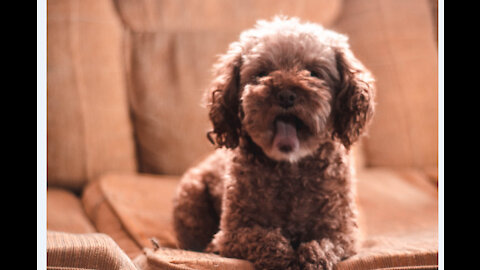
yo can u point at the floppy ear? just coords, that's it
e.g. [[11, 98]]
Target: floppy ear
[[223, 99], [354, 105]]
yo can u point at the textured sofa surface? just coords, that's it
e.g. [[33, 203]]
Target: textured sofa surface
[[125, 81]]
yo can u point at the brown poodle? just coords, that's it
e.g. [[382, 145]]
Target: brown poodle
[[288, 101]]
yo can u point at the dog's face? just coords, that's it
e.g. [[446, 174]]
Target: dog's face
[[289, 87]]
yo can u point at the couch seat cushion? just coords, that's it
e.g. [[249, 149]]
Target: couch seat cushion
[[398, 213], [132, 209], [65, 212], [178, 259]]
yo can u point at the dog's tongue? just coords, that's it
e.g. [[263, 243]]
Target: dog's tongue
[[285, 139]]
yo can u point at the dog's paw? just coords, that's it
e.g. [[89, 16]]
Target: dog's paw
[[267, 249], [310, 256], [211, 248], [214, 246], [272, 251], [316, 256]]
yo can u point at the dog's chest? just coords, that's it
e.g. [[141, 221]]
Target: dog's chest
[[297, 199], [285, 198], [292, 197]]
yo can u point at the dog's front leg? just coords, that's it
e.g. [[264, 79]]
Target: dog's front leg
[[266, 248]]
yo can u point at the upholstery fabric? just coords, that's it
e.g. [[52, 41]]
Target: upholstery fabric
[[133, 209], [170, 47], [85, 251], [398, 212], [89, 130], [100, 212], [211, 15], [395, 40], [166, 97], [177, 259], [65, 213], [398, 219]]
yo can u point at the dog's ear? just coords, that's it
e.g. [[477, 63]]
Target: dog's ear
[[354, 102], [223, 99]]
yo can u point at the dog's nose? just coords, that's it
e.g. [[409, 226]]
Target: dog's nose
[[286, 98]]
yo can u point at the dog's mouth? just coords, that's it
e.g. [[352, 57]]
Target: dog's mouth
[[287, 129]]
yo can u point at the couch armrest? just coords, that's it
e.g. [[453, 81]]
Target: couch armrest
[[85, 251]]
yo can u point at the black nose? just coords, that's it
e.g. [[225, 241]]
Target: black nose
[[286, 98]]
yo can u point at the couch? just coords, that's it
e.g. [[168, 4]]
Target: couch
[[124, 85]]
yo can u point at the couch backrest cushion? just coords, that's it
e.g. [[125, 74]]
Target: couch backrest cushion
[[88, 126], [171, 46], [396, 41]]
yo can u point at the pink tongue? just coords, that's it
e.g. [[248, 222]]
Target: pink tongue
[[285, 139]]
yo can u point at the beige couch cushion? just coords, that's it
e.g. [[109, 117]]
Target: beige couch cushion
[[177, 259], [395, 40], [106, 221], [167, 74], [219, 15], [398, 221], [132, 209], [65, 213], [170, 49], [88, 128]]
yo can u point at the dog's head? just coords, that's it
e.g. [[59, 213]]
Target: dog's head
[[289, 87]]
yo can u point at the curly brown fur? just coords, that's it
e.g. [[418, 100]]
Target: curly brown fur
[[288, 101]]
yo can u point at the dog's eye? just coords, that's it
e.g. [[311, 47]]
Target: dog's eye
[[262, 74], [314, 74]]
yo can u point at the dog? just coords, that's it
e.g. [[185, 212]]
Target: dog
[[288, 101]]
